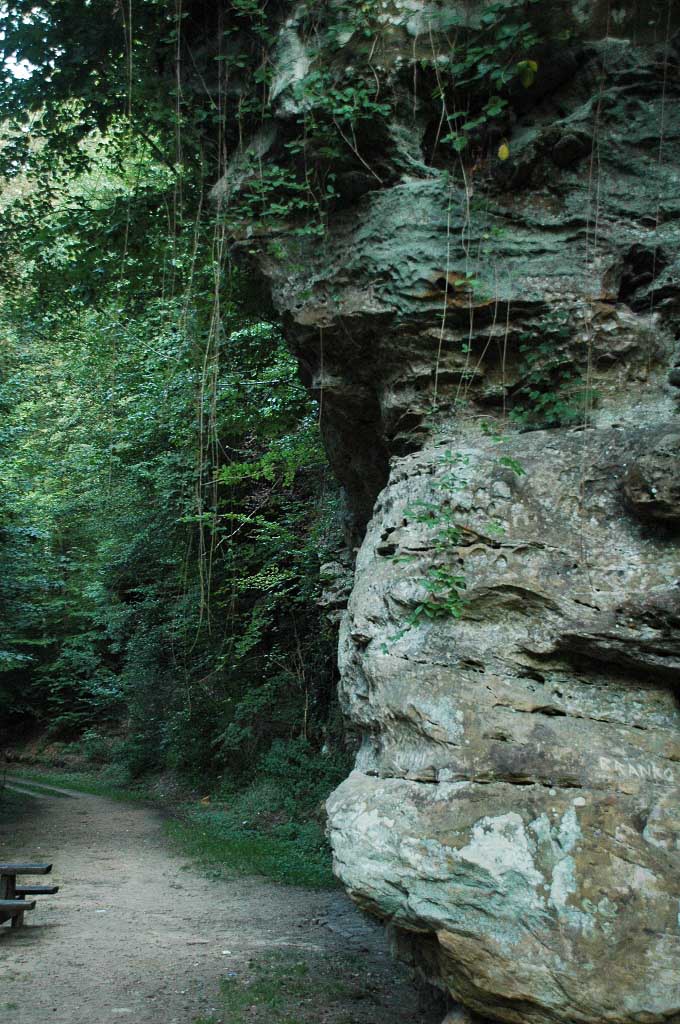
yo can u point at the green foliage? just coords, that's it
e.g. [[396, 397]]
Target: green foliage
[[475, 83], [445, 582], [96, 747], [350, 17], [165, 502], [273, 826], [282, 199], [164, 489], [345, 104], [552, 390], [298, 191]]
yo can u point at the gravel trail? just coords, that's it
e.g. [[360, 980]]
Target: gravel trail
[[136, 933]]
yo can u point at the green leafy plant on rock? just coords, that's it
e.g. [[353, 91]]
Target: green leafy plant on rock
[[444, 585], [553, 391], [444, 582], [475, 80]]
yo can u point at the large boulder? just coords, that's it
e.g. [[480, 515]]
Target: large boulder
[[514, 813]]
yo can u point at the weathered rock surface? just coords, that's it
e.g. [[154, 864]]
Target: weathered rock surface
[[515, 805], [514, 814], [337, 580], [653, 482]]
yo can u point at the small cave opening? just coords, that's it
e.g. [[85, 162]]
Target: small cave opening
[[641, 265]]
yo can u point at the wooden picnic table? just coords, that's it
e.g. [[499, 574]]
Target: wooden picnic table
[[13, 902]]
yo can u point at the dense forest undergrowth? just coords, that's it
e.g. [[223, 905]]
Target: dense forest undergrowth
[[165, 503]]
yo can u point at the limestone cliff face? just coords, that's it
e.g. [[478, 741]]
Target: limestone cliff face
[[494, 347]]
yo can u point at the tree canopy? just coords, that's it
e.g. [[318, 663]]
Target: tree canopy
[[165, 496]]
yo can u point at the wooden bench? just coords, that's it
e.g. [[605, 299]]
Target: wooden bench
[[14, 910], [22, 891], [13, 902]]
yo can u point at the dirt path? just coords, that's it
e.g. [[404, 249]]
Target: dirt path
[[137, 933]]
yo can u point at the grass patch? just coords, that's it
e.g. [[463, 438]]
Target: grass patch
[[274, 826], [10, 801], [212, 840], [113, 782], [284, 990]]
